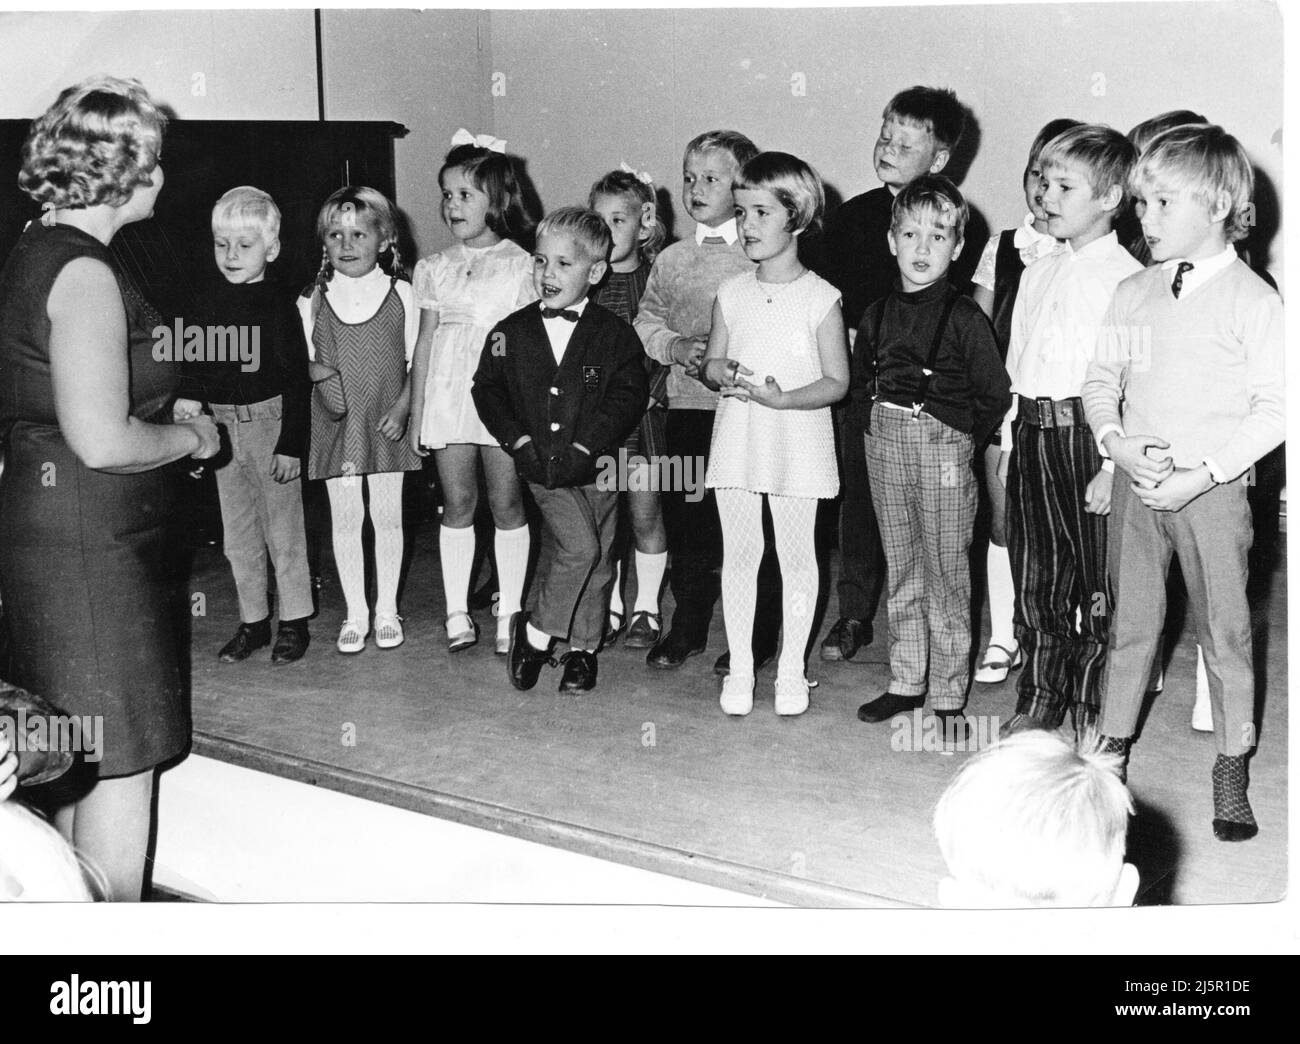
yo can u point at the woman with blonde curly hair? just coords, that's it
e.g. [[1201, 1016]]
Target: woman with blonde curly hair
[[85, 496]]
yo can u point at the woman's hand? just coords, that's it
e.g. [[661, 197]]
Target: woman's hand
[[208, 436]]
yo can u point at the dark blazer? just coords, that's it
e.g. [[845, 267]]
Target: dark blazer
[[595, 397]]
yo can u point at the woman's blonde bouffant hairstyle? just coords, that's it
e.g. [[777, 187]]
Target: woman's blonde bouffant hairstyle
[[95, 145]]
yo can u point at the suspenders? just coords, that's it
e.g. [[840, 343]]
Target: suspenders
[[927, 370]]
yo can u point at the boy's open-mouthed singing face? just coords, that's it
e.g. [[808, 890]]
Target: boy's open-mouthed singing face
[[707, 179], [905, 150], [1075, 210], [1178, 221], [564, 270], [243, 252], [926, 241]]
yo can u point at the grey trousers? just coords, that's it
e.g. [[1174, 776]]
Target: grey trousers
[[1212, 537], [569, 596], [259, 514]]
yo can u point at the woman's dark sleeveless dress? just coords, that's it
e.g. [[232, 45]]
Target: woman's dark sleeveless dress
[[83, 554]]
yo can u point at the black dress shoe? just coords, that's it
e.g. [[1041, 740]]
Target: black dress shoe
[[524, 662], [291, 641], [885, 707], [674, 650], [954, 728], [722, 665], [846, 638], [248, 639], [579, 671]]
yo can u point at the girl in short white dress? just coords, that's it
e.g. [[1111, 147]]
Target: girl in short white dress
[[463, 292], [777, 353]]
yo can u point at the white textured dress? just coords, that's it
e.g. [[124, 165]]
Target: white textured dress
[[470, 289], [772, 330]]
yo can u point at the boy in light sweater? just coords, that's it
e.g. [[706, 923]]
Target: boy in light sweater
[[673, 321], [1192, 347]]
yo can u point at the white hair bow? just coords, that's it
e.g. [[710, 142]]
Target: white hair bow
[[483, 141], [640, 175]]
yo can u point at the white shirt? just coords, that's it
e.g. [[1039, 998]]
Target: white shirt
[[1062, 300], [560, 330], [1029, 242], [727, 230], [1201, 271], [356, 300]]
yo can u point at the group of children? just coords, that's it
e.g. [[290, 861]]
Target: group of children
[[724, 347]]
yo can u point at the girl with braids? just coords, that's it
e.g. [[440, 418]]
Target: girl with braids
[[361, 324], [463, 292]]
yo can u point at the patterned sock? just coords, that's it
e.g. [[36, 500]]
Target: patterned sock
[[456, 552], [511, 547], [1231, 807], [649, 579]]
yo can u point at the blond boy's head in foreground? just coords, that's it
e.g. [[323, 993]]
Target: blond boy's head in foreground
[[1033, 822]]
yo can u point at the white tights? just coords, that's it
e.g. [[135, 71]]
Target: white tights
[[347, 512], [794, 523]]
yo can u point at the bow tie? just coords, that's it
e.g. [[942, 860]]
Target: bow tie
[[559, 313]]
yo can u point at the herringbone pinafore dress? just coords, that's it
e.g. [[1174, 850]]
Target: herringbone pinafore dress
[[371, 360]]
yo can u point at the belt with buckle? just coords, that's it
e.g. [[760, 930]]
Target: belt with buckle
[[1051, 413]]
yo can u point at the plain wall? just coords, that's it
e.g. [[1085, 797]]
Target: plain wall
[[586, 89], [577, 91], [229, 65]]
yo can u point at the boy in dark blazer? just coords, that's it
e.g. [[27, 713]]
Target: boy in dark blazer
[[561, 384]]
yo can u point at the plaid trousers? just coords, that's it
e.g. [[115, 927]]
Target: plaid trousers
[[924, 493]]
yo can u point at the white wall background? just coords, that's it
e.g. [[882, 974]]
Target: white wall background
[[576, 91]]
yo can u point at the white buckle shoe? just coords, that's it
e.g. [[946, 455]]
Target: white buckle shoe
[[998, 664], [737, 695], [352, 636], [388, 631], [791, 695]]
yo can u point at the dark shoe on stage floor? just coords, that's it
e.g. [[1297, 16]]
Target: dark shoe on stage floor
[[1020, 723], [722, 665], [885, 707], [643, 631], [248, 639], [674, 650], [1233, 818], [613, 628], [954, 728], [846, 638], [579, 671], [525, 662], [291, 641]]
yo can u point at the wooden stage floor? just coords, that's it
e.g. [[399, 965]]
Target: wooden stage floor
[[819, 810]]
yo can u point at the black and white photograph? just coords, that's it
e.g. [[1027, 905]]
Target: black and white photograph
[[691, 458]]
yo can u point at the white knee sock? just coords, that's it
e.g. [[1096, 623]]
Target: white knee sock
[[794, 525], [649, 579], [386, 517], [1002, 597], [615, 592], [347, 512], [456, 552], [511, 546], [741, 514]]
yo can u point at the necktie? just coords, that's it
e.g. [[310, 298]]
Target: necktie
[[714, 241], [1183, 266], [560, 313]]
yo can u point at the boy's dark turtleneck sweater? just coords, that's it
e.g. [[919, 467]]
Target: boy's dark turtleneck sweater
[[969, 390], [282, 363]]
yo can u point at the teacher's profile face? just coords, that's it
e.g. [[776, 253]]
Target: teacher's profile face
[[143, 199]]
